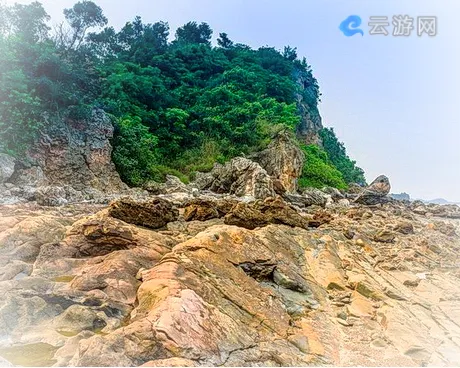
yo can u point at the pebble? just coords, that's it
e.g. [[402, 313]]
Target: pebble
[[344, 323]]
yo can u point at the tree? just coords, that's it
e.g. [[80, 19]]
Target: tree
[[223, 41], [134, 151], [140, 42], [290, 53], [81, 17], [192, 32], [28, 22]]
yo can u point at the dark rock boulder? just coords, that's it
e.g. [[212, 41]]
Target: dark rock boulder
[[205, 209], [153, 213], [308, 197], [262, 213], [376, 192], [404, 227], [333, 192]]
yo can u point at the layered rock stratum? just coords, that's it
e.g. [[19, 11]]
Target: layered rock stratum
[[193, 278]]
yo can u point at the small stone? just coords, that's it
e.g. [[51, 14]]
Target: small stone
[[343, 323], [384, 236], [379, 343], [349, 234], [404, 227], [300, 341]]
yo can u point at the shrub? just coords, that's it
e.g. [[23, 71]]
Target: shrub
[[135, 150], [338, 156], [318, 171]]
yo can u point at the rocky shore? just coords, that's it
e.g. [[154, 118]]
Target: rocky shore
[[238, 268], [237, 275]]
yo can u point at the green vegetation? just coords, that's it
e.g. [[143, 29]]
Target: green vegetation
[[338, 156], [178, 106], [318, 170]]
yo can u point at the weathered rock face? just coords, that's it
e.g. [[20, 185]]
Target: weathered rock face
[[74, 153], [376, 192], [241, 177], [371, 286], [283, 160], [6, 167], [310, 122]]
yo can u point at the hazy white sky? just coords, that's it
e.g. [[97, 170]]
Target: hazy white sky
[[394, 101]]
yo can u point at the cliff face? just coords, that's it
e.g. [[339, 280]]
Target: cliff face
[[75, 153], [310, 123]]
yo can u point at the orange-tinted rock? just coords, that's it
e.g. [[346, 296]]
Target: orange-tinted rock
[[257, 214]]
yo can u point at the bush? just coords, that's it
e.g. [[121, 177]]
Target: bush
[[135, 150], [318, 171], [338, 156], [158, 173]]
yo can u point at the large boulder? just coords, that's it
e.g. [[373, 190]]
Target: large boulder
[[262, 213], [308, 197], [283, 160], [376, 192], [200, 209], [153, 213], [241, 177]]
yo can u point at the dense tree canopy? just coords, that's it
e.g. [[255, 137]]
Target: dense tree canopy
[[177, 106]]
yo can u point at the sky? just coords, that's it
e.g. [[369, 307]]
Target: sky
[[393, 101]]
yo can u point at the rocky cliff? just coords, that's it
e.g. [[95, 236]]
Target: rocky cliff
[[193, 277], [310, 119], [71, 161]]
